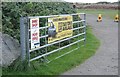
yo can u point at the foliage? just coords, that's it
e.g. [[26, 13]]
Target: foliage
[[12, 11]]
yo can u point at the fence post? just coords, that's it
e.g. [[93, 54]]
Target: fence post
[[22, 38]]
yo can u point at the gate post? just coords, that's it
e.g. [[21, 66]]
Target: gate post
[[27, 40], [85, 29], [22, 38]]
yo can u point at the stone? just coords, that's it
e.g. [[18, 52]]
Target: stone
[[10, 50]]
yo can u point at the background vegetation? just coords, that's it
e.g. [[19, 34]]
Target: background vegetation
[[12, 11]]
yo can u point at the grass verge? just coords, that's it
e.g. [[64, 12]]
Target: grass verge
[[64, 63], [105, 13]]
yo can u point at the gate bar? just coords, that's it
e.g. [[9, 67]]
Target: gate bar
[[57, 42], [56, 50], [55, 15]]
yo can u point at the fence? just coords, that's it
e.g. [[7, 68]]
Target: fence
[[44, 47]]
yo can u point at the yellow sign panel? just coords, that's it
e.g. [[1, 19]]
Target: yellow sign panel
[[59, 27]]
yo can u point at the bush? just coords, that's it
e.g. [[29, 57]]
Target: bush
[[12, 11]]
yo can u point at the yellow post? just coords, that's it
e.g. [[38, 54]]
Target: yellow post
[[99, 18], [116, 18]]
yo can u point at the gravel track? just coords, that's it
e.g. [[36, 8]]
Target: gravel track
[[105, 61]]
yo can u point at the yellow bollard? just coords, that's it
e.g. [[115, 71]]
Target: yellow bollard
[[116, 18], [99, 18]]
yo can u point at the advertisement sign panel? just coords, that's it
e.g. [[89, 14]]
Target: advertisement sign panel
[[34, 27], [60, 27]]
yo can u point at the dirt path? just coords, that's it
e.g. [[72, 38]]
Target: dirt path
[[105, 61]]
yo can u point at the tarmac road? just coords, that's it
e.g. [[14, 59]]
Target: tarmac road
[[105, 61]]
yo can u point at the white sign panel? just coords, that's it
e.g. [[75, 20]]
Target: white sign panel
[[34, 26]]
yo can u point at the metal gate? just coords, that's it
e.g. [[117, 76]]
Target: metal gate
[[45, 49]]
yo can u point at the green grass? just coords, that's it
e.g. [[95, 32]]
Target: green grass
[[105, 13], [64, 63]]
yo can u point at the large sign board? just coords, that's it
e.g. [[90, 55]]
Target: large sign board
[[34, 27], [59, 27]]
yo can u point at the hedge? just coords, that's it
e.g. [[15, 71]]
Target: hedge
[[12, 11]]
